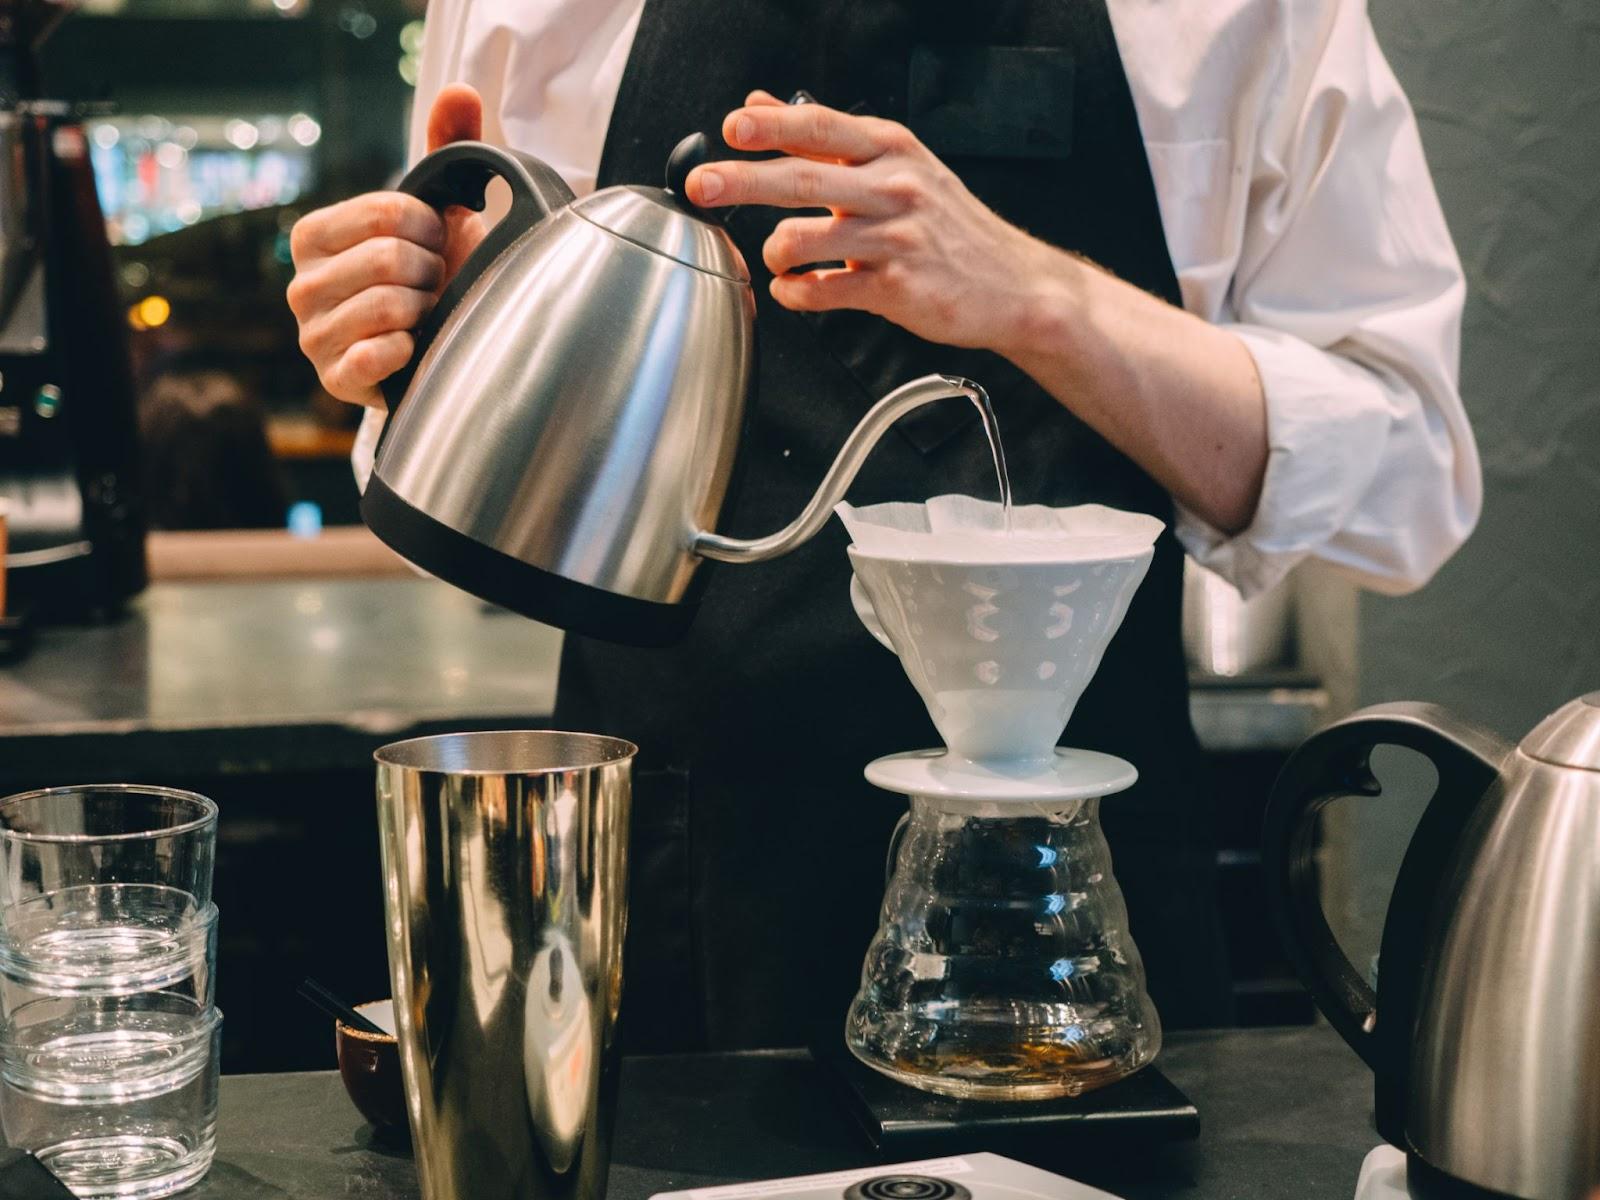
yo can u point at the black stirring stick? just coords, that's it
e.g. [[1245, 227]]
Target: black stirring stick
[[338, 1009]]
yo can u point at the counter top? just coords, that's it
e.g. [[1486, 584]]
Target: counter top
[[307, 675], [271, 676], [1284, 1113]]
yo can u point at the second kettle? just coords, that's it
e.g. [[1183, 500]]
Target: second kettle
[[1484, 1031]]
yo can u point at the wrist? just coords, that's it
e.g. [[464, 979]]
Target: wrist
[[1048, 314]]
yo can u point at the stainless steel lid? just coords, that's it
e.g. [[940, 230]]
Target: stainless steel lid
[[649, 217], [1568, 737]]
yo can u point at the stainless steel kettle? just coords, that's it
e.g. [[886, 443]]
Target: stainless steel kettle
[[1484, 1031], [563, 439]]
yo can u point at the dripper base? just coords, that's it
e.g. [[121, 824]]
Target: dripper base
[[959, 783]]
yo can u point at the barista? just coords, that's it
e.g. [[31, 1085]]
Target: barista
[[1192, 251]]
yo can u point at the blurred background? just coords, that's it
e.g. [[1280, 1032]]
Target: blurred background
[[233, 117]]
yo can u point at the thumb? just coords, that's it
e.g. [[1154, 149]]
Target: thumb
[[456, 116]]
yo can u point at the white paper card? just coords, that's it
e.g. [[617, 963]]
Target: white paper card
[[940, 1167]]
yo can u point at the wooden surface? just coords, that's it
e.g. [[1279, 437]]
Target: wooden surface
[[346, 551]]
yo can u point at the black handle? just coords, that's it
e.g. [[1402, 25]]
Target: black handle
[[458, 174], [1334, 763], [697, 150], [338, 1009]]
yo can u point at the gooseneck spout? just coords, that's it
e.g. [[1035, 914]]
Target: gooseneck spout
[[836, 482]]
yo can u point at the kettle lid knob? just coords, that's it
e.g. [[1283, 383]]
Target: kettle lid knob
[[691, 152], [1568, 737]]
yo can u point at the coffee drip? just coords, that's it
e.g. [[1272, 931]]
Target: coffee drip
[[1003, 967]]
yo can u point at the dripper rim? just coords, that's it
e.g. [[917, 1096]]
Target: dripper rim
[[953, 560]]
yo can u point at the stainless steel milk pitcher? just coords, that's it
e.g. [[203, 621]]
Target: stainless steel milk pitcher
[[505, 873], [563, 439]]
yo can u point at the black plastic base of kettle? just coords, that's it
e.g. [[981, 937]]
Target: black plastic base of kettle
[[511, 583], [1424, 1181]]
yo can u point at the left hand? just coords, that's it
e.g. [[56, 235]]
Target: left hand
[[919, 248]]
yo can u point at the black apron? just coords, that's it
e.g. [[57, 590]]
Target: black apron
[[758, 847]]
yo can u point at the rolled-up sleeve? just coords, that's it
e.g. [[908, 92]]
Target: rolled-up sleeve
[[1348, 294]]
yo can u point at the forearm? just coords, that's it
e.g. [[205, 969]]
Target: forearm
[[1175, 394], [1178, 396]]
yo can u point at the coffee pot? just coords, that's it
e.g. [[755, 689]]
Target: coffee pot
[[563, 439], [1484, 1030]]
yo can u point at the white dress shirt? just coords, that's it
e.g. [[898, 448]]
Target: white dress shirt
[[1298, 211]]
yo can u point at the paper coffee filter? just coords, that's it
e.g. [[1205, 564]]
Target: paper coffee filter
[[966, 529]]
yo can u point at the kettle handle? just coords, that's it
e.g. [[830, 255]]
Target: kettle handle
[[458, 174], [1334, 763]]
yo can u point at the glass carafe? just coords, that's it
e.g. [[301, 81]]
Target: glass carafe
[[1003, 968]]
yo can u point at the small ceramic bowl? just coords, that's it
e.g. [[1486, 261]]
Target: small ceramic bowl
[[369, 1064]]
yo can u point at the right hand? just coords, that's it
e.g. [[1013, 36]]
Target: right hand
[[367, 270]]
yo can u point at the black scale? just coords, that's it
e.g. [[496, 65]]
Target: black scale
[[1144, 1108]]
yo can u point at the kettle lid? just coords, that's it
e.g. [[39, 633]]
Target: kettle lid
[[653, 218], [1568, 737]]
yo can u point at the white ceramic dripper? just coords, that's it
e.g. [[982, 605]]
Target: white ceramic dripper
[[999, 632]]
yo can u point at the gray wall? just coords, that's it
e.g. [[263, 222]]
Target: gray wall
[[1507, 93], [1508, 96]]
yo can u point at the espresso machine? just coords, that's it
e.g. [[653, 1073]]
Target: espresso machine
[[68, 425]]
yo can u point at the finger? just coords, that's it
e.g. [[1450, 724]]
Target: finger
[[366, 364], [329, 231], [798, 241], [762, 96], [372, 263], [456, 116], [811, 130], [820, 291], [466, 230], [786, 183], [369, 314]]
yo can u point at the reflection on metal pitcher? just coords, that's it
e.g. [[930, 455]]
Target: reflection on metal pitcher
[[504, 860]]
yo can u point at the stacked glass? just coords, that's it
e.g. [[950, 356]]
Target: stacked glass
[[109, 1032]]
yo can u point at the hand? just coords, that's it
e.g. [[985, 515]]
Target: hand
[[368, 269], [918, 247]]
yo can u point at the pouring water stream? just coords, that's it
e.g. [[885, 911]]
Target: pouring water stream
[[991, 430]]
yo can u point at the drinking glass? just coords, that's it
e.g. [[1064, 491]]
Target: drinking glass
[[117, 1095], [109, 1035], [58, 839]]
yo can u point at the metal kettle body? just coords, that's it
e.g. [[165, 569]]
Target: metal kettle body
[[1484, 1031], [563, 440]]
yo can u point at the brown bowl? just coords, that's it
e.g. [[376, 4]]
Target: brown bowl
[[369, 1064]]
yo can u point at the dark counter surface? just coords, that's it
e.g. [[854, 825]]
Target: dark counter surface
[[297, 675], [1284, 1113]]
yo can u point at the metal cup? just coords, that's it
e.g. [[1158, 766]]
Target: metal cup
[[505, 877]]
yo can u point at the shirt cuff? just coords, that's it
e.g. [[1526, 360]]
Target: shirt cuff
[[1327, 420]]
